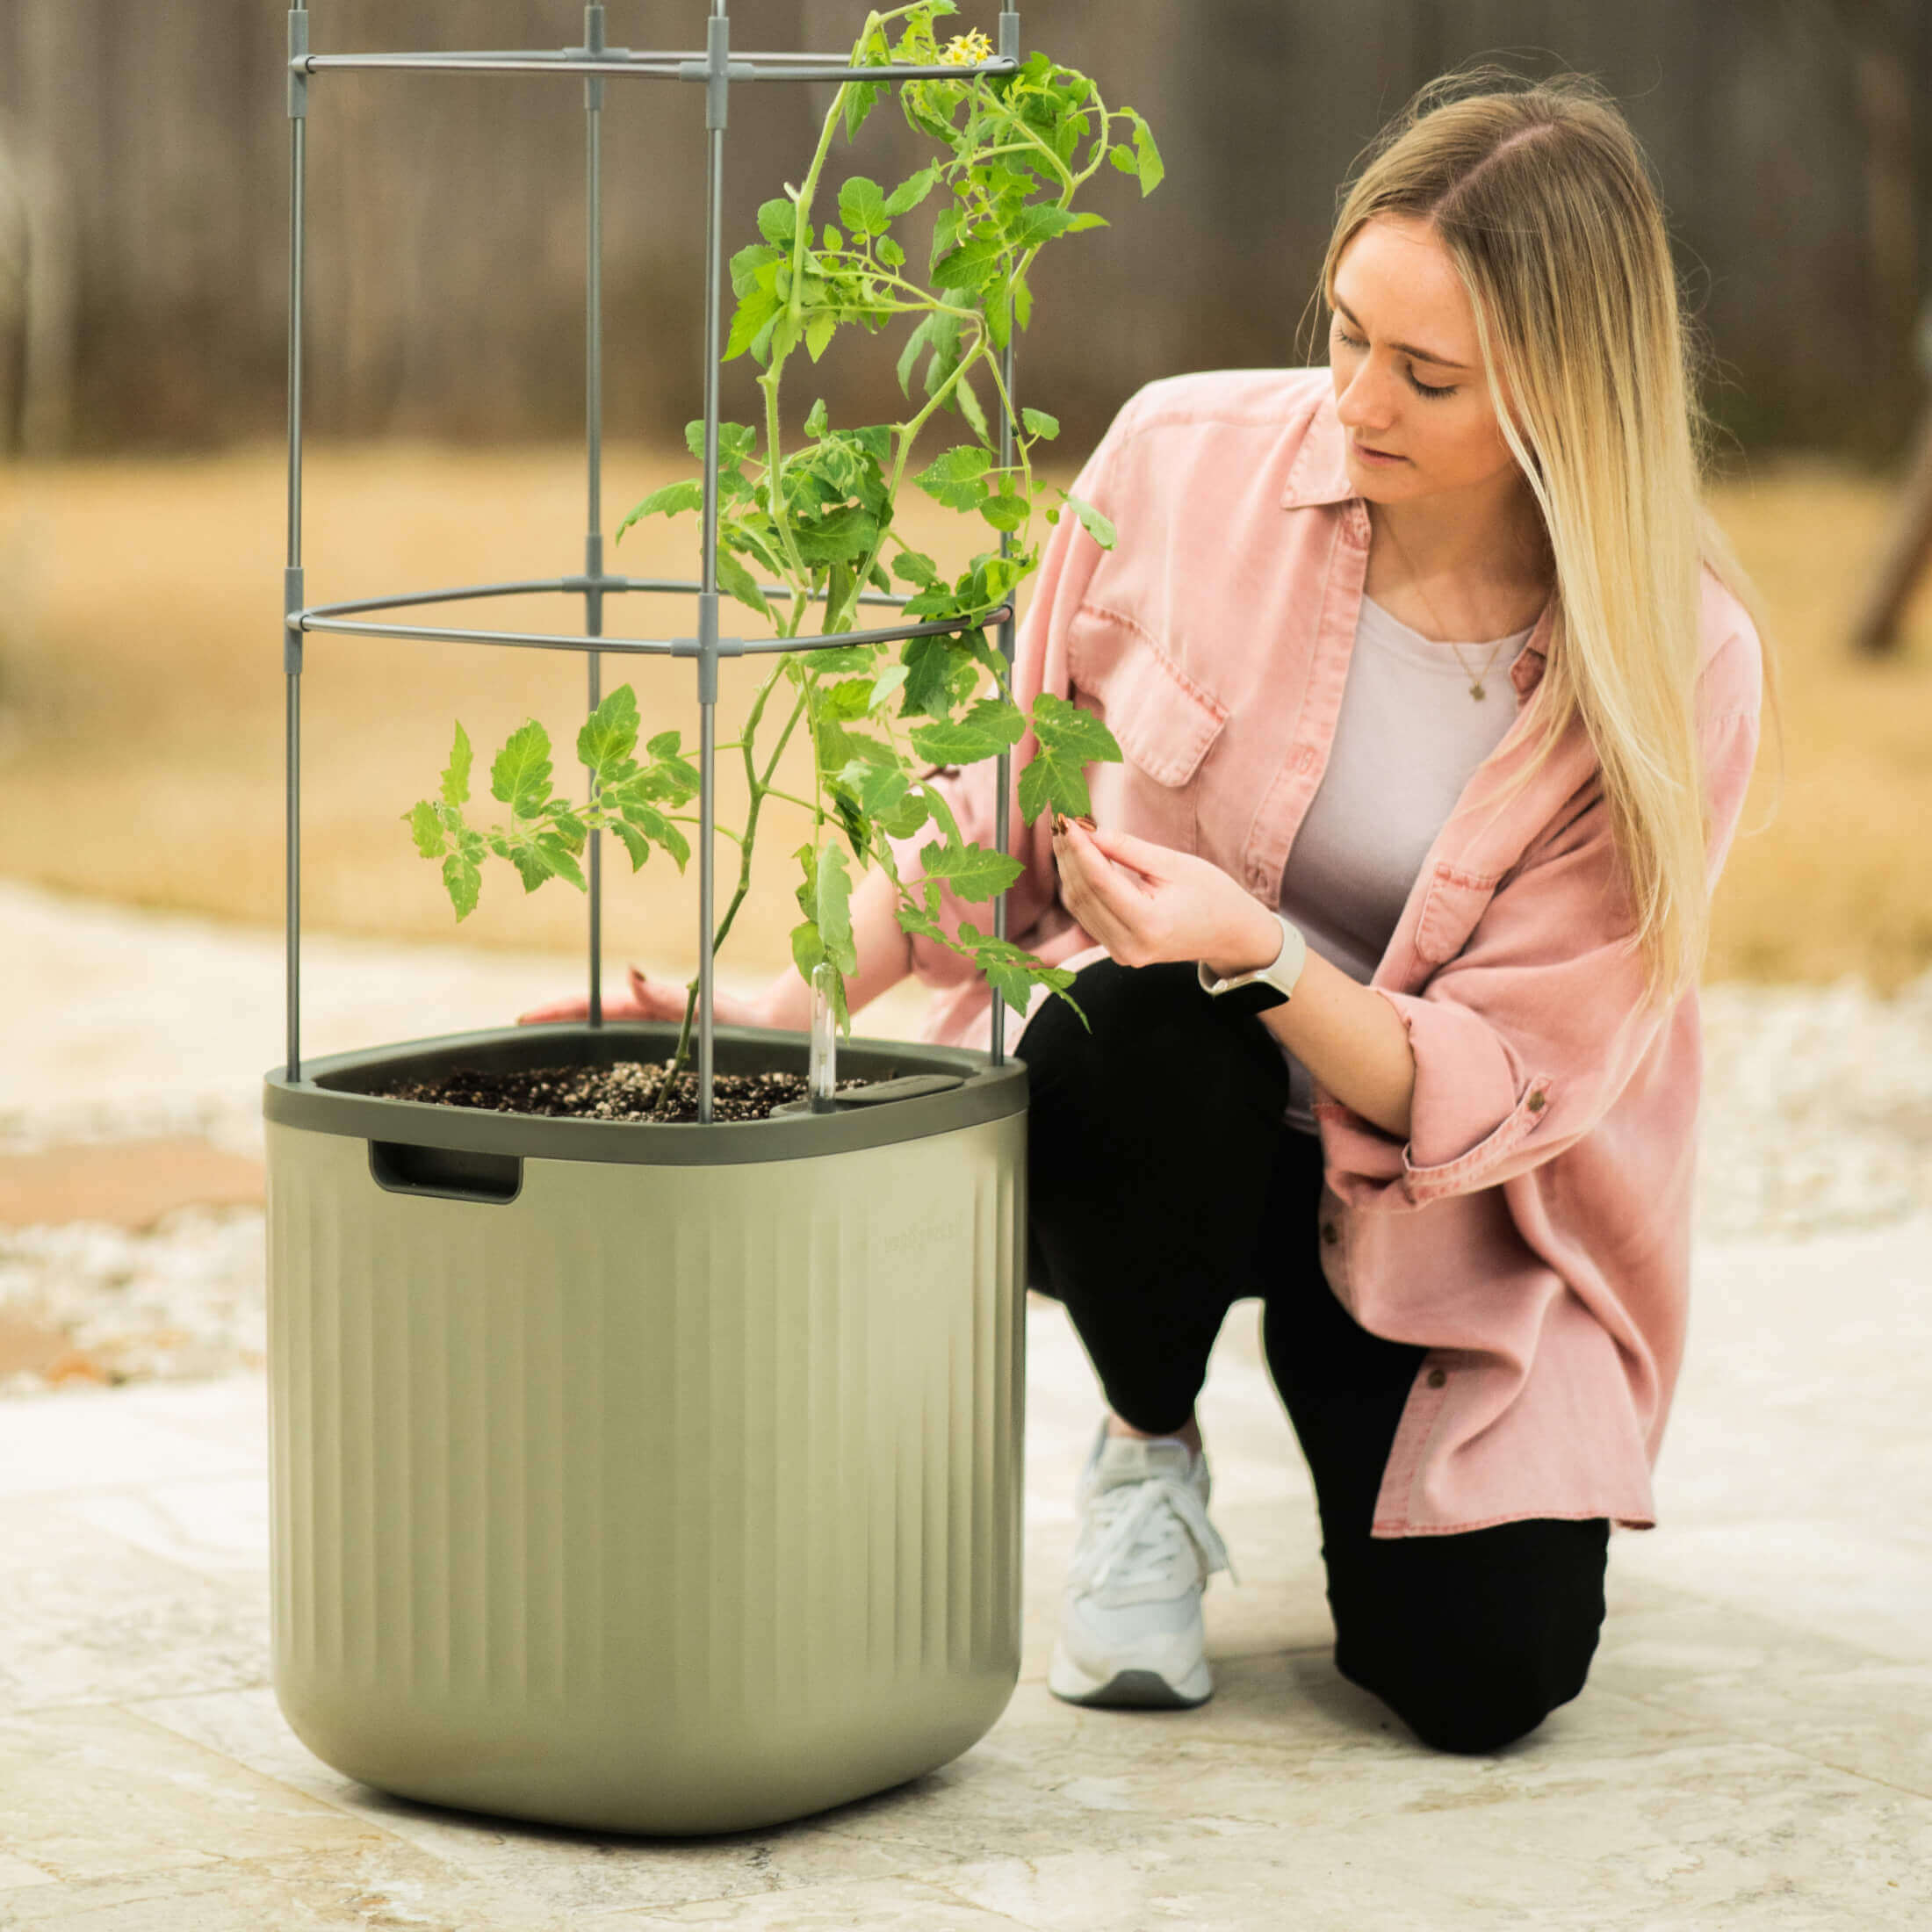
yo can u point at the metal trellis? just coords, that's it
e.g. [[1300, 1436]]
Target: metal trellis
[[597, 62]]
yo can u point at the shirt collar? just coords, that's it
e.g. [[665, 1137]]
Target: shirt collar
[[1319, 474]]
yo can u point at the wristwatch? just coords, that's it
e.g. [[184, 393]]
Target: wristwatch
[[1267, 985]]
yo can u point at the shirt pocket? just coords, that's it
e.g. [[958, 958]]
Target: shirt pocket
[[1162, 719], [1450, 906]]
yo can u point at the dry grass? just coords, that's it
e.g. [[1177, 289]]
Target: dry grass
[[141, 704]]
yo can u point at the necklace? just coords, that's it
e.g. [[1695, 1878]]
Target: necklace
[[1476, 677]]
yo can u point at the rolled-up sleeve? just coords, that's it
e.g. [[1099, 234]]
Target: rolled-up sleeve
[[1525, 1040], [1067, 561]]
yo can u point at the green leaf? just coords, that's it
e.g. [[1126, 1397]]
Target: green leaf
[[834, 914], [807, 948], [1098, 526], [755, 313], [634, 842], [427, 827], [879, 787], [840, 538], [887, 682], [570, 828], [521, 775], [670, 501], [785, 334], [953, 478], [659, 829], [847, 698], [861, 207], [1013, 973], [973, 872], [841, 660], [968, 266], [909, 354], [1039, 422], [928, 661], [910, 192], [530, 865], [778, 219], [999, 719], [968, 399], [736, 441], [739, 582], [915, 567], [456, 780], [1148, 157], [1068, 739], [609, 734], [558, 856], [747, 262], [819, 330], [816, 419], [861, 97], [913, 920], [462, 880], [954, 742], [1005, 510]]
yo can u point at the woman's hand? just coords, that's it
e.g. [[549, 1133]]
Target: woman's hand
[[1146, 904], [654, 999]]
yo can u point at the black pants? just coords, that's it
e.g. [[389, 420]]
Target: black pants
[[1163, 1187]]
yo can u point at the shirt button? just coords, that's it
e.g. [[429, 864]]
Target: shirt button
[[1438, 1377], [1328, 1234], [1536, 1102]]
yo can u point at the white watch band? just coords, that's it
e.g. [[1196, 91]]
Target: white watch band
[[1281, 973]]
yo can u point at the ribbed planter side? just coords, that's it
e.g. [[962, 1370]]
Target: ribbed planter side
[[678, 1498]]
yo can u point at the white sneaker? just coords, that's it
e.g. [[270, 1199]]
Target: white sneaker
[[1130, 1626]]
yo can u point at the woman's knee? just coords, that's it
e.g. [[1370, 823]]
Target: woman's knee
[[1480, 1658], [1473, 1718], [1152, 1037]]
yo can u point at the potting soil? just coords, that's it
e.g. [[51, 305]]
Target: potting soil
[[625, 1090]]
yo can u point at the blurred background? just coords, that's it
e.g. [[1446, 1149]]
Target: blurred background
[[143, 292]]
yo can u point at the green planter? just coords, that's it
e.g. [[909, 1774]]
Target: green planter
[[653, 1478]]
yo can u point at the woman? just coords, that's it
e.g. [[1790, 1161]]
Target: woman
[[1455, 1162]]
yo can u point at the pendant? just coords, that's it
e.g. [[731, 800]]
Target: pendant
[[1475, 690]]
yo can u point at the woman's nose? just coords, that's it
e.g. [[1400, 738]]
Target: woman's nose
[[1364, 404]]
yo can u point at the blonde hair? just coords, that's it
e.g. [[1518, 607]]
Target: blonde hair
[[1541, 196]]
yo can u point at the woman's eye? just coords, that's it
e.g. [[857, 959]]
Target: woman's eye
[[1421, 388]]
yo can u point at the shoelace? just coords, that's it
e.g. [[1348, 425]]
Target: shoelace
[[1138, 1531]]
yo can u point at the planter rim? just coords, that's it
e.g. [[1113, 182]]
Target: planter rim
[[330, 1096]]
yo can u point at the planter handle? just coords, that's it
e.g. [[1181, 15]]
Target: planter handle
[[448, 1173]]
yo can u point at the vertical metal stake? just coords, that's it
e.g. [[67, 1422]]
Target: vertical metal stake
[[718, 33], [292, 596], [594, 42]]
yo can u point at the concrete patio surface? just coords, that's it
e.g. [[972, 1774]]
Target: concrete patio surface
[[1754, 1749]]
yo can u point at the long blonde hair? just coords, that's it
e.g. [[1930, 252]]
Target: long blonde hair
[[1542, 197]]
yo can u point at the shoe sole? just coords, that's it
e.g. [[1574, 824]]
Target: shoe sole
[[1127, 1690]]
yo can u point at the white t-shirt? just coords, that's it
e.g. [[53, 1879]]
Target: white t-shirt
[[1407, 740]]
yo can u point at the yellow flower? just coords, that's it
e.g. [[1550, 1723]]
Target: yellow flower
[[963, 49]]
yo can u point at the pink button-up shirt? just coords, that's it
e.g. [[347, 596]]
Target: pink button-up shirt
[[1533, 1233]]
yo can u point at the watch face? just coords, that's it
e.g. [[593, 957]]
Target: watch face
[[1256, 997]]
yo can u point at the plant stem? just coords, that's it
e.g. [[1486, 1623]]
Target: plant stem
[[801, 577], [758, 791]]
